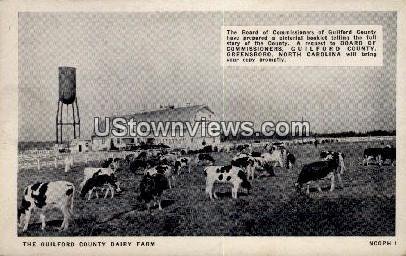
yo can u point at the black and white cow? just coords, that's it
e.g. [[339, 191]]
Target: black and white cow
[[225, 174], [152, 188], [326, 154], [99, 180], [164, 169], [44, 196], [182, 162], [88, 172], [205, 158], [247, 163], [316, 171], [372, 153]]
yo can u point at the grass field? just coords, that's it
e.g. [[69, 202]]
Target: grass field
[[364, 207]]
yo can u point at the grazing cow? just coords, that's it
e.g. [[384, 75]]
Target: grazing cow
[[319, 170], [182, 162], [204, 157], [140, 164], [225, 174], [165, 170], [247, 163], [89, 172], [151, 189], [44, 196], [389, 153], [372, 153], [98, 181]]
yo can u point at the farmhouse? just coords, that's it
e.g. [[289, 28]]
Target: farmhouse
[[165, 114]]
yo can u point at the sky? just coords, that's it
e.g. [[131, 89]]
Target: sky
[[127, 62]]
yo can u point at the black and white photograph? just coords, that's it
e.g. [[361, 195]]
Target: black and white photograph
[[179, 130], [82, 170]]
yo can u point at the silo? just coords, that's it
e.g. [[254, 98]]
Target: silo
[[67, 97]]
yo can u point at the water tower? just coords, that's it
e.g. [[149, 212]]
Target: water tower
[[67, 97]]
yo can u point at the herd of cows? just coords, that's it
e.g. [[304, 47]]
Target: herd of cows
[[160, 171]]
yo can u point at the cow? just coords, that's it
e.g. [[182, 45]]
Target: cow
[[225, 174], [182, 162], [324, 155], [205, 158], [372, 153], [152, 188], [275, 157], [44, 196], [168, 159], [115, 162], [389, 153], [99, 180], [247, 163], [166, 170], [256, 154], [313, 172], [140, 164]]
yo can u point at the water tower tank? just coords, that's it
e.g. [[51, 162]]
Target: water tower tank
[[67, 84]]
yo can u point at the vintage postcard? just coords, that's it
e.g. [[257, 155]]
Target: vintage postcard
[[254, 128]]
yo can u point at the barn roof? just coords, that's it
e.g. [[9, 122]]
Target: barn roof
[[168, 114], [180, 114]]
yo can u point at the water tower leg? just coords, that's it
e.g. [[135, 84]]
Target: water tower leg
[[61, 127], [74, 121], [57, 124], [77, 114]]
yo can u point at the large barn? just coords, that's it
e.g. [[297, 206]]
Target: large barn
[[165, 114]]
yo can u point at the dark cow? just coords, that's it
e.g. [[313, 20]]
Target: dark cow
[[166, 170], [152, 188], [318, 170], [106, 163], [256, 154], [47, 195], [372, 153], [98, 181], [225, 174], [141, 164], [204, 158], [389, 153]]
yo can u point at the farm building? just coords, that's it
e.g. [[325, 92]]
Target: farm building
[[80, 145], [167, 114]]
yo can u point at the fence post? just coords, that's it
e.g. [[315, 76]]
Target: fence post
[[38, 164], [56, 162]]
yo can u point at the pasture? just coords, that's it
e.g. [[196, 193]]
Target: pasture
[[364, 207]]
